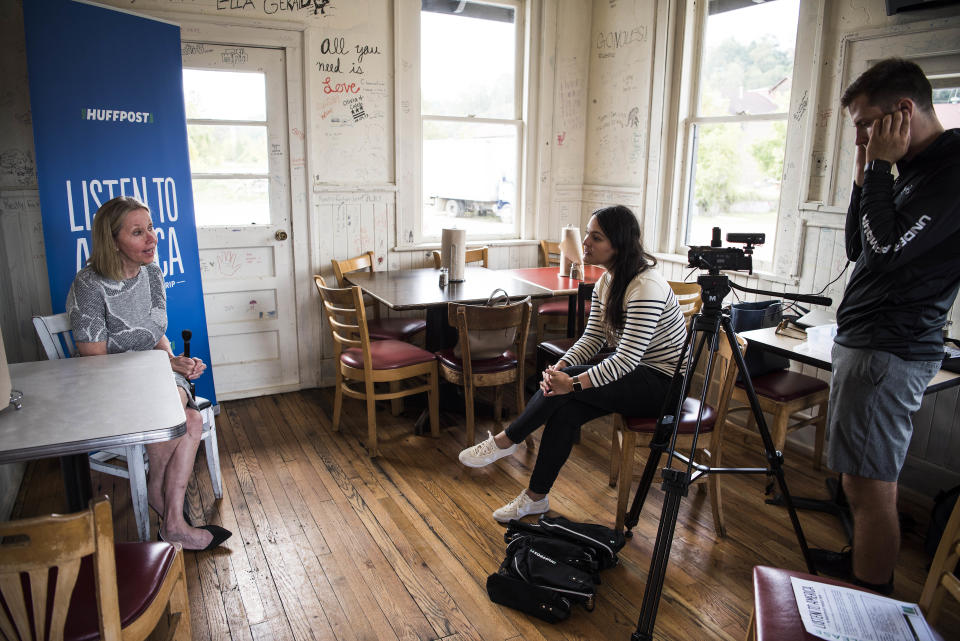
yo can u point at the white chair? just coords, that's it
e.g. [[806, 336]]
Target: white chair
[[128, 462]]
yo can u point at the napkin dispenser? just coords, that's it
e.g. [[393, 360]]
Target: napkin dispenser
[[453, 253], [570, 249]]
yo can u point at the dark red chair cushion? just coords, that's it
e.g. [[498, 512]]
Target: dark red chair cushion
[[141, 569], [688, 419], [387, 354], [398, 329], [777, 615], [559, 308], [783, 386], [502, 363], [557, 347]]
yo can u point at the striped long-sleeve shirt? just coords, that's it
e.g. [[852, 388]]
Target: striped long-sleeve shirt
[[652, 335]]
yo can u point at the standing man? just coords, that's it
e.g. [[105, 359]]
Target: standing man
[[904, 235]]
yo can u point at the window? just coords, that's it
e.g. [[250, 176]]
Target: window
[[736, 135], [229, 154], [471, 57]]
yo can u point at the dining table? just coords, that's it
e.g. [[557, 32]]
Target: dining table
[[559, 285], [70, 407], [791, 343], [419, 289]]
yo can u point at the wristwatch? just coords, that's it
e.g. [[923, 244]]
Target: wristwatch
[[577, 386], [878, 165]]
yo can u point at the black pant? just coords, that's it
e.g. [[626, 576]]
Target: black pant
[[640, 393]]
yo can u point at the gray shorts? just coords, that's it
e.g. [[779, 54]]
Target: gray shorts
[[873, 396]]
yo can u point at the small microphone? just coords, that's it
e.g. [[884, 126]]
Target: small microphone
[[186, 335], [715, 239]]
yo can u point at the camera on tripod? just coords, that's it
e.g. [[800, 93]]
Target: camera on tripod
[[715, 258]]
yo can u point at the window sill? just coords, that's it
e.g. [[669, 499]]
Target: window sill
[[509, 242]]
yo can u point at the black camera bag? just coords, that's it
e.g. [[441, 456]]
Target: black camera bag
[[543, 603], [575, 555], [606, 542]]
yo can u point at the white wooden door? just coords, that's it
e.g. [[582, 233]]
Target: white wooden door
[[239, 159]]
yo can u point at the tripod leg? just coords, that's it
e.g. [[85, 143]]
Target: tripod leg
[[774, 458], [675, 484]]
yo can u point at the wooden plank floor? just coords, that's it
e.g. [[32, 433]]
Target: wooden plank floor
[[329, 544]]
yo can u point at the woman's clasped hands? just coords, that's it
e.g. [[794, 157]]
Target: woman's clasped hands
[[555, 382], [189, 368]]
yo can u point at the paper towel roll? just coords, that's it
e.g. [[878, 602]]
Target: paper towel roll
[[453, 252], [5, 385], [570, 248]]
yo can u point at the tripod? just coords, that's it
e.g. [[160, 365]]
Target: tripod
[[704, 331]]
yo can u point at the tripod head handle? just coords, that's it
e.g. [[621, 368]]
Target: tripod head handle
[[800, 298]]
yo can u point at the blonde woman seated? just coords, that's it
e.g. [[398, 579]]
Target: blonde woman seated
[[634, 310], [118, 304]]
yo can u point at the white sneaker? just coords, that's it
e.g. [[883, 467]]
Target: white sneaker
[[485, 453], [520, 507]]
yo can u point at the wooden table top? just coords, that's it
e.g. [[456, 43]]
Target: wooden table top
[[76, 405], [419, 289], [550, 278], [795, 349]]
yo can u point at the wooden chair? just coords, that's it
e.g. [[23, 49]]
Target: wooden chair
[[397, 328], [129, 462], [491, 372], [478, 255], [552, 314], [629, 432], [88, 599], [775, 615], [370, 362], [549, 352], [549, 254], [688, 295]]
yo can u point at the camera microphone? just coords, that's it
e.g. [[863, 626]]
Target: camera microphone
[[715, 239]]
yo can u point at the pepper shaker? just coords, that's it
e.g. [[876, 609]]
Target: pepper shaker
[[443, 277]]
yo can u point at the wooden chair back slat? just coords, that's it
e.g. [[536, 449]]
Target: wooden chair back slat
[[346, 316], [941, 580], [55, 335], [549, 253], [34, 547], [688, 296], [355, 264], [478, 255], [480, 317]]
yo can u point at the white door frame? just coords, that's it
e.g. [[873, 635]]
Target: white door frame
[[290, 37]]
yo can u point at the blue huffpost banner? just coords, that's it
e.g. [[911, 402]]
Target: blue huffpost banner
[[106, 91]]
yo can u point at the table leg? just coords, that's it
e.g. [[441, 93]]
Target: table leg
[[75, 470], [571, 315]]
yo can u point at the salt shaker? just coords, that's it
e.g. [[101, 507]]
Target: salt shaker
[[575, 271], [443, 277]]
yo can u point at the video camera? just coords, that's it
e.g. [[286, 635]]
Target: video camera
[[716, 258]]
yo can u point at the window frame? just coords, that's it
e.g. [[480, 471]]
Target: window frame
[[410, 119], [691, 30]]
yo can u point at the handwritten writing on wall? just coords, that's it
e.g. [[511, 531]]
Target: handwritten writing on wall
[[270, 7], [333, 50], [18, 165], [607, 42]]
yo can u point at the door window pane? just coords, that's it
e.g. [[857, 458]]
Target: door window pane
[[231, 201], [736, 181], [468, 60], [469, 177], [228, 149], [747, 60], [946, 104], [225, 95]]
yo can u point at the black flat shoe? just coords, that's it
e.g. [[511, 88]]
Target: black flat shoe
[[219, 536]]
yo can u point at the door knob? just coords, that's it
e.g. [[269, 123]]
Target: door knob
[[280, 235]]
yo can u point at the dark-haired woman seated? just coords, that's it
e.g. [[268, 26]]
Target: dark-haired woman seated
[[633, 310], [118, 304]]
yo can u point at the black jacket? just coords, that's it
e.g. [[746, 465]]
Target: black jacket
[[905, 239]]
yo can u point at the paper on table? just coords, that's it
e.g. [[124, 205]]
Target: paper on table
[[844, 614], [570, 251]]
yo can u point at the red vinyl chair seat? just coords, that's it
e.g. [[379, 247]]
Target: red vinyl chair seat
[[502, 363], [398, 329], [388, 354], [557, 347], [688, 419], [776, 614], [141, 569], [784, 386], [559, 308]]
